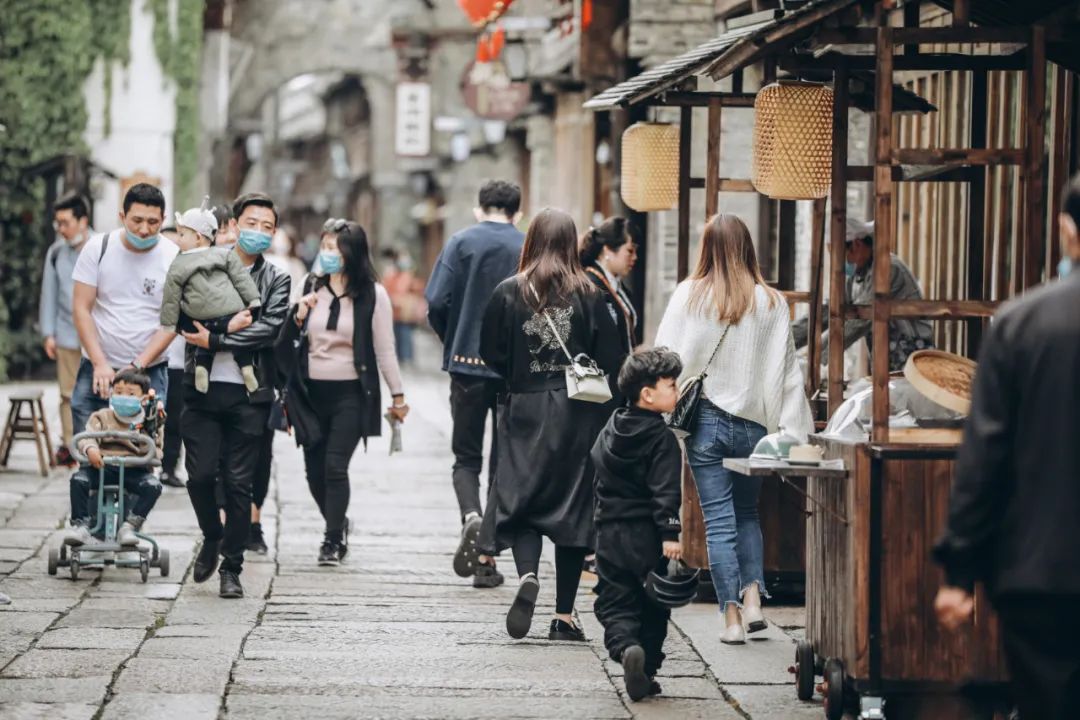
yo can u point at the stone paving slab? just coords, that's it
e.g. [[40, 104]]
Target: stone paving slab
[[54, 690], [47, 711], [160, 706]]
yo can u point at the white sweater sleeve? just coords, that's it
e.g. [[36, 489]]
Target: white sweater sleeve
[[789, 407], [382, 331]]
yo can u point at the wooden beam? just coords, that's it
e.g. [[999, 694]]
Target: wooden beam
[[1063, 107], [969, 156], [883, 232], [814, 322], [977, 209], [736, 185], [837, 232], [912, 18], [929, 309], [712, 160], [927, 61], [699, 99], [686, 117], [1035, 163], [785, 265], [795, 297], [909, 173], [951, 35]]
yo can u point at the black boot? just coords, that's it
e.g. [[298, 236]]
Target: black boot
[[256, 542], [206, 561], [230, 585], [637, 682]]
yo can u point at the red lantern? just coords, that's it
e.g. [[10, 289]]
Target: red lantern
[[483, 50], [482, 12], [496, 42]]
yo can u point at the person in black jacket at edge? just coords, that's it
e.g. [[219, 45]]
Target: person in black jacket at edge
[[1013, 515], [223, 429], [470, 267], [638, 491]]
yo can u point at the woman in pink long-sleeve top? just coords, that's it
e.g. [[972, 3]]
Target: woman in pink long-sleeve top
[[341, 336]]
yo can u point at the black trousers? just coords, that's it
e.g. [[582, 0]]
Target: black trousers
[[1041, 635], [527, 548], [222, 434], [627, 614], [339, 407], [472, 400], [174, 410], [260, 484]]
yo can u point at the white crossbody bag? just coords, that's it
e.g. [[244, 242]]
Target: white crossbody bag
[[584, 380]]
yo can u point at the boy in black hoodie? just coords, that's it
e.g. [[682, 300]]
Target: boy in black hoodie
[[638, 494]]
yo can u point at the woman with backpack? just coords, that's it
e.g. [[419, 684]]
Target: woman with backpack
[[726, 322]]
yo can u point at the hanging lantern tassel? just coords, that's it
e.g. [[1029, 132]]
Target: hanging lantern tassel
[[793, 140], [650, 166], [496, 42]]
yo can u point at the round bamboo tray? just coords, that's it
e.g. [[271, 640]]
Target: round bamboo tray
[[943, 377]]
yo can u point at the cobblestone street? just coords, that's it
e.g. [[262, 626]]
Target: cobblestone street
[[392, 633]]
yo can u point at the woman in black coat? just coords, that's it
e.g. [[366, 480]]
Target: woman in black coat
[[544, 486], [339, 336], [608, 254]]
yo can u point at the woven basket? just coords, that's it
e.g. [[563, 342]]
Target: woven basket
[[793, 140], [650, 166], [943, 377]]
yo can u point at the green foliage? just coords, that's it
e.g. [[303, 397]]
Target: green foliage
[[46, 54], [110, 28]]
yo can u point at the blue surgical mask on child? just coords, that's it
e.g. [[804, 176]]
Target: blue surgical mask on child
[[1065, 267], [330, 262], [254, 242], [141, 243], [849, 269], [125, 406]]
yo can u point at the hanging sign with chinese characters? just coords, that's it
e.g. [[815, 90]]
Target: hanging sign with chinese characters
[[412, 132], [492, 95]]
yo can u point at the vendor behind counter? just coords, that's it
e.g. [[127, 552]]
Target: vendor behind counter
[[905, 335]]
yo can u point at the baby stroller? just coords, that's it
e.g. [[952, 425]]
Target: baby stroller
[[110, 514]]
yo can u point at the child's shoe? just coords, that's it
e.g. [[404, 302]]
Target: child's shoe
[[637, 682], [250, 381], [202, 379], [77, 535], [126, 534]]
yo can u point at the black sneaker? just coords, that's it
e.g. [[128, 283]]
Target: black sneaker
[[206, 561], [230, 585], [654, 688], [519, 617], [565, 631], [343, 546], [256, 542], [465, 558], [637, 682], [328, 554], [170, 479], [487, 577]]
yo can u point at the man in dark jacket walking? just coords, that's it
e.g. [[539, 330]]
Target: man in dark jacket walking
[[471, 265], [1014, 507]]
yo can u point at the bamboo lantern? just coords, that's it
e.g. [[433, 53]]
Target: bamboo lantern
[[793, 140], [650, 166]]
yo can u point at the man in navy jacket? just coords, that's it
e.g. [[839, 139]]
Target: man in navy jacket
[[474, 261]]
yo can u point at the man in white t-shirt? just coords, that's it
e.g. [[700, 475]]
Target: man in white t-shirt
[[116, 301]]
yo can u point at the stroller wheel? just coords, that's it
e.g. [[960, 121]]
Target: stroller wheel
[[54, 560], [144, 568], [73, 566], [163, 562]]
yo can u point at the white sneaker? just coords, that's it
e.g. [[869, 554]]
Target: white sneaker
[[77, 535], [755, 620], [126, 535], [733, 635]]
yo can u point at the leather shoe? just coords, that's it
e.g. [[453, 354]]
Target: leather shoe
[[230, 585], [206, 561]]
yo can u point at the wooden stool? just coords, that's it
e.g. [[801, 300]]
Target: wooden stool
[[19, 426]]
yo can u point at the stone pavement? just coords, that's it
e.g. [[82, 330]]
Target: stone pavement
[[393, 633]]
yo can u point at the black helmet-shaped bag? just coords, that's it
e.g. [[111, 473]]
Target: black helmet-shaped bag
[[672, 586]]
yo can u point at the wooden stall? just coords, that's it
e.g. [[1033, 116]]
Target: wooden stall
[[987, 234]]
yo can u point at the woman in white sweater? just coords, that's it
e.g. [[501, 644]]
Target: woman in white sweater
[[725, 321]]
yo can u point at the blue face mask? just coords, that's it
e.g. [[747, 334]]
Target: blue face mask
[[140, 243], [849, 269], [1065, 267], [254, 242], [125, 406], [330, 262]]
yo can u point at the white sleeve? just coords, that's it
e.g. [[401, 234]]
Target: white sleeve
[[382, 333], [86, 267], [789, 409]]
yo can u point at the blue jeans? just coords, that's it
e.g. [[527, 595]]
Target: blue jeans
[[84, 402], [729, 501]]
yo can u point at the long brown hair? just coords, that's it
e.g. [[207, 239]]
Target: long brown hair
[[727, 272], [549, 260]]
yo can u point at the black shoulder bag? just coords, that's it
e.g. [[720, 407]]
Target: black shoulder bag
[[682, 417]]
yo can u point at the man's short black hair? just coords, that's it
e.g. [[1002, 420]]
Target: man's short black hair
[[500, 196], [144, 194], [74, 202], [1070, 199], [645, 368], [133, 377], [256, 198]]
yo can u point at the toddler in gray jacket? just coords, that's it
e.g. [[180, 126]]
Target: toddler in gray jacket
[[210, 285]]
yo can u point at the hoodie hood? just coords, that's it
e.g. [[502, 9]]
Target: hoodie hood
[[628, 439]]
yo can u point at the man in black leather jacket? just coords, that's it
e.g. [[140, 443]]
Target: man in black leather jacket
[[223, 428], [1013, 512]]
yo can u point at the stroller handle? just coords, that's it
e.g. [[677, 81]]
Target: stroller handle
[[148, 458]]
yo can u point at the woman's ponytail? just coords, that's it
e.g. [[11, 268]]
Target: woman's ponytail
[[611, 234]]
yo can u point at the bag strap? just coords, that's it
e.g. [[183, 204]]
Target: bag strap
[[715, 349], [555, 332]]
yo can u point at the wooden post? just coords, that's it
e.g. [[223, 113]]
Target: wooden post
[[814, 323], [1034, 167], [785, 243], [686, 115], [712, 160], [883, 231], [1063, 102], [912, 15], [837, 232], [961, 13], [977, 249]]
